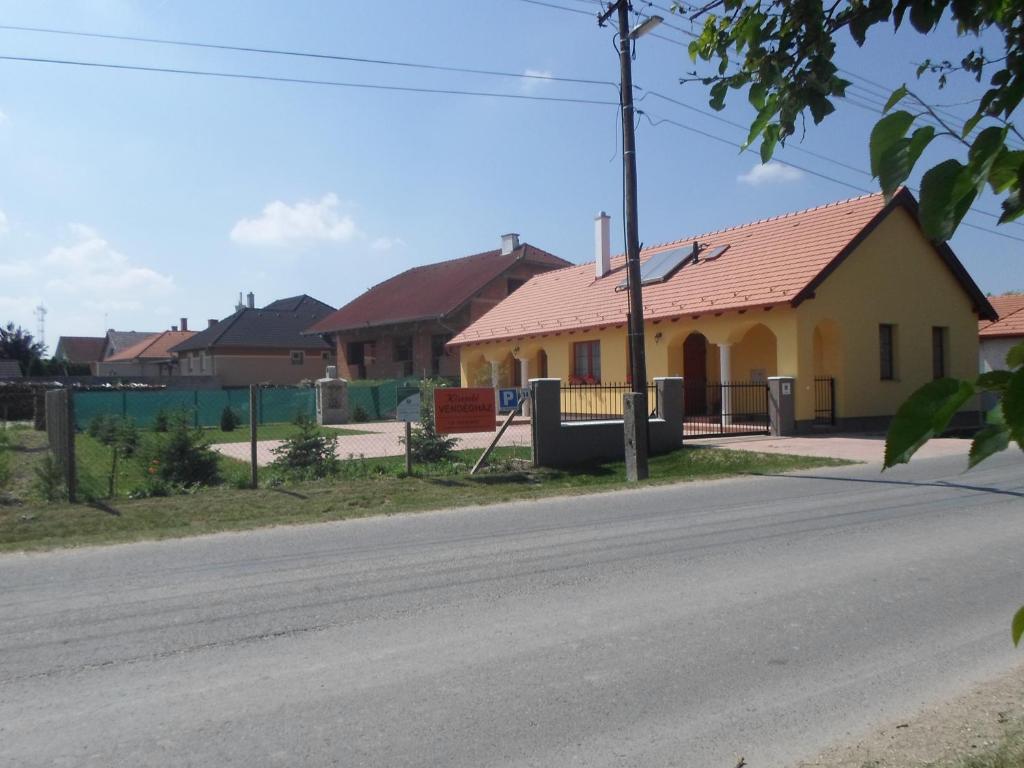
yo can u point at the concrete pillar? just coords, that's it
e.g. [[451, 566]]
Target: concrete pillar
[[524, 377], [725, 368], [782, 405], [332, 401], [670, 404], [495, 373], [547, 420]]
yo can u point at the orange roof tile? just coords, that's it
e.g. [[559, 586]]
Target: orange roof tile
[[155, 347], [1011, 317], [768, 262]]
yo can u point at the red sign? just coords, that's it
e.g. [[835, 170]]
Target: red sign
[[464, 410]]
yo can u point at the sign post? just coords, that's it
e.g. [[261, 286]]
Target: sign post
[[408, 410]]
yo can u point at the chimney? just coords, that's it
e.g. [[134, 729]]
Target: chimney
[[184, 323], [174, 327], [211, 322], [250, 299], [509, 243], [602, 244]]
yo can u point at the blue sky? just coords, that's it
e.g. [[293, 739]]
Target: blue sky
[[132, 199]]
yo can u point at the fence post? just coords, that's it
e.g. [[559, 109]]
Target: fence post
[[253, 422], [261, 404], [70, 468], [195, 407]]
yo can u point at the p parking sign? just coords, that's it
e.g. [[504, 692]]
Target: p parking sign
[[509, 398]]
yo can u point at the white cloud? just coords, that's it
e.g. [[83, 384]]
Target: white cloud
[[3, 117], [12, 270], [387, 243], [305, 221], [771, 172], [535, 78], [92, 268], [4, 227]]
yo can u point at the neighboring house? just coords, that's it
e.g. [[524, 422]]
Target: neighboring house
[[115, 341], [260, 346], [400, 327], [850, 296], [9, 369], [81, 350], [998, 336], [149, 357]]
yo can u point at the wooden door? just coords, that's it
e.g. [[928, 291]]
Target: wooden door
[[695, 375]]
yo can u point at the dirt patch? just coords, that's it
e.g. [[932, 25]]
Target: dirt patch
[[974, 723]]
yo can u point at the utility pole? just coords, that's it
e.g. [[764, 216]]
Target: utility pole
[[636, 404]]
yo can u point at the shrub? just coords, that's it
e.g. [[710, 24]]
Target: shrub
[[359, 414], [161, 421], [425, 444], [183, 457], [229, 419], [5, 463], [309, 454], [49, 483]]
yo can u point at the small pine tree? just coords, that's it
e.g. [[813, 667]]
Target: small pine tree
[[229, 419], [184, 458], [309, 454], [425, 444]]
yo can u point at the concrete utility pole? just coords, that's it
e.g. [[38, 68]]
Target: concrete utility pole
[[636, 405]]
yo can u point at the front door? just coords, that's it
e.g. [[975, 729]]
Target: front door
[[695, 375]]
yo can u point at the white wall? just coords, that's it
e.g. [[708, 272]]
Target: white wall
[[992, 352]]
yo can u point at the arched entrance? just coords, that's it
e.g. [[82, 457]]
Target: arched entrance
[[695, 374]]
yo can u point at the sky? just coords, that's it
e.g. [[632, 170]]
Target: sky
[[131, 199]]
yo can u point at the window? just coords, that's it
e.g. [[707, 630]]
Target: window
[[325, 355], [202, 362], [886, 339], [939, 337], [514, 284], [402, 349], [586, 362], [298, 357]]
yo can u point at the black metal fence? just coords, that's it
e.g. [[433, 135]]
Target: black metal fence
[[824, 401], [600, 402], [712, 408]]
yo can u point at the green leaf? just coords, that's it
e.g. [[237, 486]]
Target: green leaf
[[1005, 168], [924, 415], [763, 116], [993, 381], [1013, 406], [984, 151], [887, 132], [1015, 357], [897, 96], [771, 138], [947, 192], [1013, 207], [971, 122], [756, 95], [898, 161], [1017, 627], [718, 91], [989, 440]]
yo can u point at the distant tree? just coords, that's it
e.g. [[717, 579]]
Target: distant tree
[[17, 344]]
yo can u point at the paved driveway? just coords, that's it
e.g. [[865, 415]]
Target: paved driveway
[[855, 447]]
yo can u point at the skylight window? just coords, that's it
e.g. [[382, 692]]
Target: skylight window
[[661, 266]]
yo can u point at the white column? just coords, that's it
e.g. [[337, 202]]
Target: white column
[[524, 378], [725, 375], [495, 373]]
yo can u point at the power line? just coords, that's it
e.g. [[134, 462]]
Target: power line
[[303, 54], [304, 81]]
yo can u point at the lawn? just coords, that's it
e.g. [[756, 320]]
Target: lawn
[[365, 487], [269, 432]]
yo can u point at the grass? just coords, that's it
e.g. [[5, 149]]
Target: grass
[[269, 432], [366, 487], [1008, 753]]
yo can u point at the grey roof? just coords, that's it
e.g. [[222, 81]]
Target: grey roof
[[123, 339], [278, 325], [9, 369]]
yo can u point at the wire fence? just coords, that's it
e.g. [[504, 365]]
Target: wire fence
[[102, 446]]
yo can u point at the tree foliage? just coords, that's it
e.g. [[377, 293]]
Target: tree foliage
[[17, 344], [780, 52]]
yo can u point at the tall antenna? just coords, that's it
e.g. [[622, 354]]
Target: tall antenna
[[41, 324]]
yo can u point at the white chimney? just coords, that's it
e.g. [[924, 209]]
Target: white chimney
[[250, 298], [602, 244], [509, 243]]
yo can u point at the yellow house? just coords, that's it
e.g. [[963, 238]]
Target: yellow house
[[849, 295]]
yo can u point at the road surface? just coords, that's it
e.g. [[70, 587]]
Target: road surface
[[671, 626]]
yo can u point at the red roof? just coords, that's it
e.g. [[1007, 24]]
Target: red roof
[[774, 261], [432, 291], [155, 347], [81, 349], [1011, 317]]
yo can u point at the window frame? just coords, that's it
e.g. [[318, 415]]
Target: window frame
[[592, 357], [940, 351], [297, 357], [887, 352]]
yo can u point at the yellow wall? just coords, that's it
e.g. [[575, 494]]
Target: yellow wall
[[894, 276]]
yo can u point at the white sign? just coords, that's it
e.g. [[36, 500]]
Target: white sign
[[787, 388], [409, 408]]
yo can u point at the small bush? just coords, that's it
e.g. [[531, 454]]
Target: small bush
[[359, 414], [309, 454], [425, 444], [49, 482], [183, 457], [5, 466], [229, 419], [162, 421]]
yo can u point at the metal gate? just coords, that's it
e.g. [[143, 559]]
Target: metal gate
[[712, 409], [824, 401]]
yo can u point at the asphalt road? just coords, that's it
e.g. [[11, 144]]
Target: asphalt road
[[686, 625]]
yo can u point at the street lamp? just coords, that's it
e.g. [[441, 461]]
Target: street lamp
[[635, 403]]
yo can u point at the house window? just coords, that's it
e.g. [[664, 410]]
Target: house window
[[586, 362], [298, 357], [402, 349], [189, 357], [514, 284], [886, 353], [939, 343], [202, 362], [325, 355]]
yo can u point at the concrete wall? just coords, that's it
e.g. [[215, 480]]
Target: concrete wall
[[559, 444], [992, 352]]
